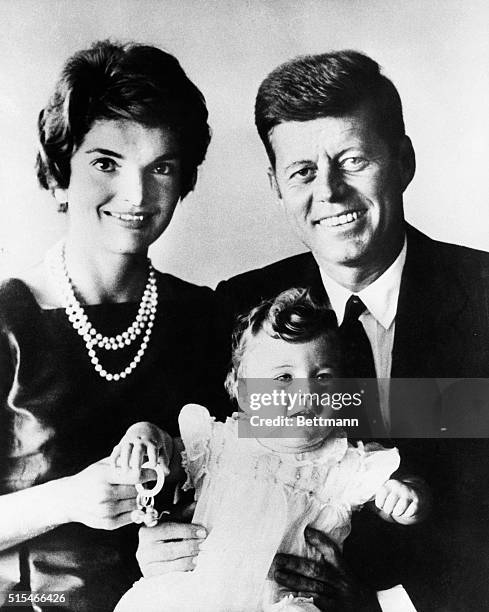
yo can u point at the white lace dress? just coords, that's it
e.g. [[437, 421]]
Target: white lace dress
[[254, 503]]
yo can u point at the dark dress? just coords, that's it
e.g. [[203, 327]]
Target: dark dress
[[57, 416]]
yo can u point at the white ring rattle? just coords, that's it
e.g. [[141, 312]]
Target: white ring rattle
[[146, 512], [160, 480]]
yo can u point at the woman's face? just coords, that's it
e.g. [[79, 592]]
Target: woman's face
[[124, 185]]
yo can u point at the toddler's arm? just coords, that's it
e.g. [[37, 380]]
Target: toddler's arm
[[143, 442], [405, 501]]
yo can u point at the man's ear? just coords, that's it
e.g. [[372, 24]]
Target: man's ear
[[273, 183], [407, 161]]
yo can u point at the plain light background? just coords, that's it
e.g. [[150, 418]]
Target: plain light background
[[435, 51]]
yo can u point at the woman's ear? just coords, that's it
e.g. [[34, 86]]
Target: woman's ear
[[60, 195]]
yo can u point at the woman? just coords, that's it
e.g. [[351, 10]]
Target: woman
[[94, 338]]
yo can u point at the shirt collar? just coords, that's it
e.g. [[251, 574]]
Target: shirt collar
[[380, 297]]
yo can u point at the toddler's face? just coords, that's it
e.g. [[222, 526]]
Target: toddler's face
[[298, 369]]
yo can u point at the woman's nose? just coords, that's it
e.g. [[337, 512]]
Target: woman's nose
[[133, 188]]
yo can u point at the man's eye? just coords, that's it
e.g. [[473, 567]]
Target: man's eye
[[105, 164], [353, 164], [305, 173]]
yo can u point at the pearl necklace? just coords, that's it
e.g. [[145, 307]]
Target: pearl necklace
[[75, 312]]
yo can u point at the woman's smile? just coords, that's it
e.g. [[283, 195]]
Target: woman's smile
[[129, 220]]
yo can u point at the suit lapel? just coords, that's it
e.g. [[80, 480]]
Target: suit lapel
[[415, 317], [430, 301]]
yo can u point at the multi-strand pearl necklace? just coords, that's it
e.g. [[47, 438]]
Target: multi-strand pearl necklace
[[144, 321]]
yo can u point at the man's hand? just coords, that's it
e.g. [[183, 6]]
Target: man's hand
[[328, 581]]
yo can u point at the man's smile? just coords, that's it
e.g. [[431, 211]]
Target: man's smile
[[341, 219]]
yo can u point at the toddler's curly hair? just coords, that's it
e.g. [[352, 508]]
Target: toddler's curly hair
[[293, 316]]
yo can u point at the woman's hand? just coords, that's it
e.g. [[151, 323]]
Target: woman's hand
[[328, 581], [100, 497]]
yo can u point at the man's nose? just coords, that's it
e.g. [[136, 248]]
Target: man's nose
[[328, 184], [133, 188]]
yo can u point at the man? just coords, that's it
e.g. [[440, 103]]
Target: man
[[340, 161]]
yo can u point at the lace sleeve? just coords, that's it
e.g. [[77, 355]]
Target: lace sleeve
[[376, 464], [196, 426]]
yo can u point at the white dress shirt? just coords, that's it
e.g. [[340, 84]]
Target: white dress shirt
[[378, 320]]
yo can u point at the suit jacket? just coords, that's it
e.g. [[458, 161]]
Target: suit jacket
[[442, 313], [442, 331]]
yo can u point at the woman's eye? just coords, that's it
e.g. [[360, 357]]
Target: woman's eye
[[353, 164], [105, 164], [163, 168], [284, 377]]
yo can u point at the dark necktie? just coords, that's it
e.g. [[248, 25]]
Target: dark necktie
[[359, 361]]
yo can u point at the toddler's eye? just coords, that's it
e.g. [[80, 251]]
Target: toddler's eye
[[325, 379], [324, 376], [105, 164]]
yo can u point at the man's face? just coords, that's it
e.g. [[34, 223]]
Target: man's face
[[341, 187]]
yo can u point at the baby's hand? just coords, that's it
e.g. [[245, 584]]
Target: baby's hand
[[402, 502], [142, 442]]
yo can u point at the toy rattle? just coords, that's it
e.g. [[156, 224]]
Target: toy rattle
[[146, 512]]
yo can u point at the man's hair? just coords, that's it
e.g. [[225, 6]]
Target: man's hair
[[292, 316], [120, 81], [330, 84]]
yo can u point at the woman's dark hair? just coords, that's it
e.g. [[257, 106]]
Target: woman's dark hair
[[120, 81], [329, 84], [292, 316]]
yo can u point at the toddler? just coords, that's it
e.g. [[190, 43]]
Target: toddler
[[256, 495]]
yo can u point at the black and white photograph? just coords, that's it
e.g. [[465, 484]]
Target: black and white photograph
[[244, 306]]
